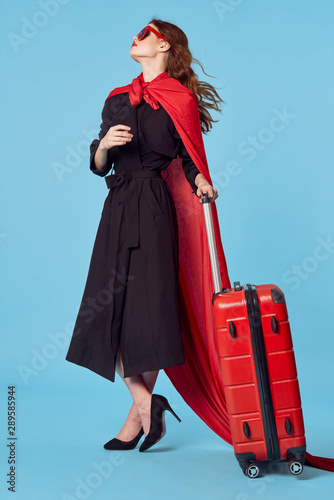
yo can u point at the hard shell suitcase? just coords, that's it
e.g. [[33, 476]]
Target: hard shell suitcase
[[258, 370]]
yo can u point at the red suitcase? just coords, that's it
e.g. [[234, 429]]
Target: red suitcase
[[258, 370]]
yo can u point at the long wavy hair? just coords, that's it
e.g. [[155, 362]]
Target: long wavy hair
[[179, 67]]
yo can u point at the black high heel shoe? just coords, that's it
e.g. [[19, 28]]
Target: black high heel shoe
[[117, 444], [158, 426]]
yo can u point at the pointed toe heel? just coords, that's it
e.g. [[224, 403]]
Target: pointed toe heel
[[117, 444], [158, 426]]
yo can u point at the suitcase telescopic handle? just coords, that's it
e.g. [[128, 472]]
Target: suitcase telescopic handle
[[217, 283]]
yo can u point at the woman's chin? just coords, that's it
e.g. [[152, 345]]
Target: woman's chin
[[135, 58]]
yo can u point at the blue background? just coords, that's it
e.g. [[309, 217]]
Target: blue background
[[275, 180]]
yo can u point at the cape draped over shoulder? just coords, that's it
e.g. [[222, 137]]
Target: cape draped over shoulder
[[199, 379]]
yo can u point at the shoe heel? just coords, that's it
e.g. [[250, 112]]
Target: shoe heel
[[168, 407]]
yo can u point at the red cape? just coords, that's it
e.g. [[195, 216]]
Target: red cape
[[198, 380]]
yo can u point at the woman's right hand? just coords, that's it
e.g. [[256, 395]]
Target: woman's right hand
[[118, 135]]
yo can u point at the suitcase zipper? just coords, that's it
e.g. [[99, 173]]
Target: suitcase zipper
[[261, 367]]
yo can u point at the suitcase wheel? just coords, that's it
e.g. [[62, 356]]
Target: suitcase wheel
[[252, 470], [295, 467]]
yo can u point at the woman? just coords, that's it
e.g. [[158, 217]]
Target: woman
[[129, 318]]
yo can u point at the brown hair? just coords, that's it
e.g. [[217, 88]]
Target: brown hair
[[179, 67]]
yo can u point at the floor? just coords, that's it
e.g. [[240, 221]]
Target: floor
[[60, 452]]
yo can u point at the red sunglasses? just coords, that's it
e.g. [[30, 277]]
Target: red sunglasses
[[145, 31]]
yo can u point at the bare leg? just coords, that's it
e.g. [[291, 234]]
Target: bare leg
[[141, 388]]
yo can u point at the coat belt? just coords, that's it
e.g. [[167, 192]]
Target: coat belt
[[126, 192]]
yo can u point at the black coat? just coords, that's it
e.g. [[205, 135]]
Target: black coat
[[130, 299]]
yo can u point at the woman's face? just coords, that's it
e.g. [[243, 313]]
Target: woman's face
[[150, 46]]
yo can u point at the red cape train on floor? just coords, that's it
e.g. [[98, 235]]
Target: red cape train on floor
[[198, 380]]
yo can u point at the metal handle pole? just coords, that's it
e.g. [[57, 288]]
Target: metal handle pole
[[212, 243]]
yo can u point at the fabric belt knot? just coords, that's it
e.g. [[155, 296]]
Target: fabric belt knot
[[127, 192]]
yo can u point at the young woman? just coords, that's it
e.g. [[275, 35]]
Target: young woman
[[129, 319]]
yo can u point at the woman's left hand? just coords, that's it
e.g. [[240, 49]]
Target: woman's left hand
[[206, 188]]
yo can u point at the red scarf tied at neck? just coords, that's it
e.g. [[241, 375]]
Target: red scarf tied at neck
[[138, 90], [198, 380]]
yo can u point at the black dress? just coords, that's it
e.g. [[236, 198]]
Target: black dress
[[130, 298]]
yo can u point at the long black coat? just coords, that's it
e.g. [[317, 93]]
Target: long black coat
[[130, 299]]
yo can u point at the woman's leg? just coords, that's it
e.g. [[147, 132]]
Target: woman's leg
[[141, 388]]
